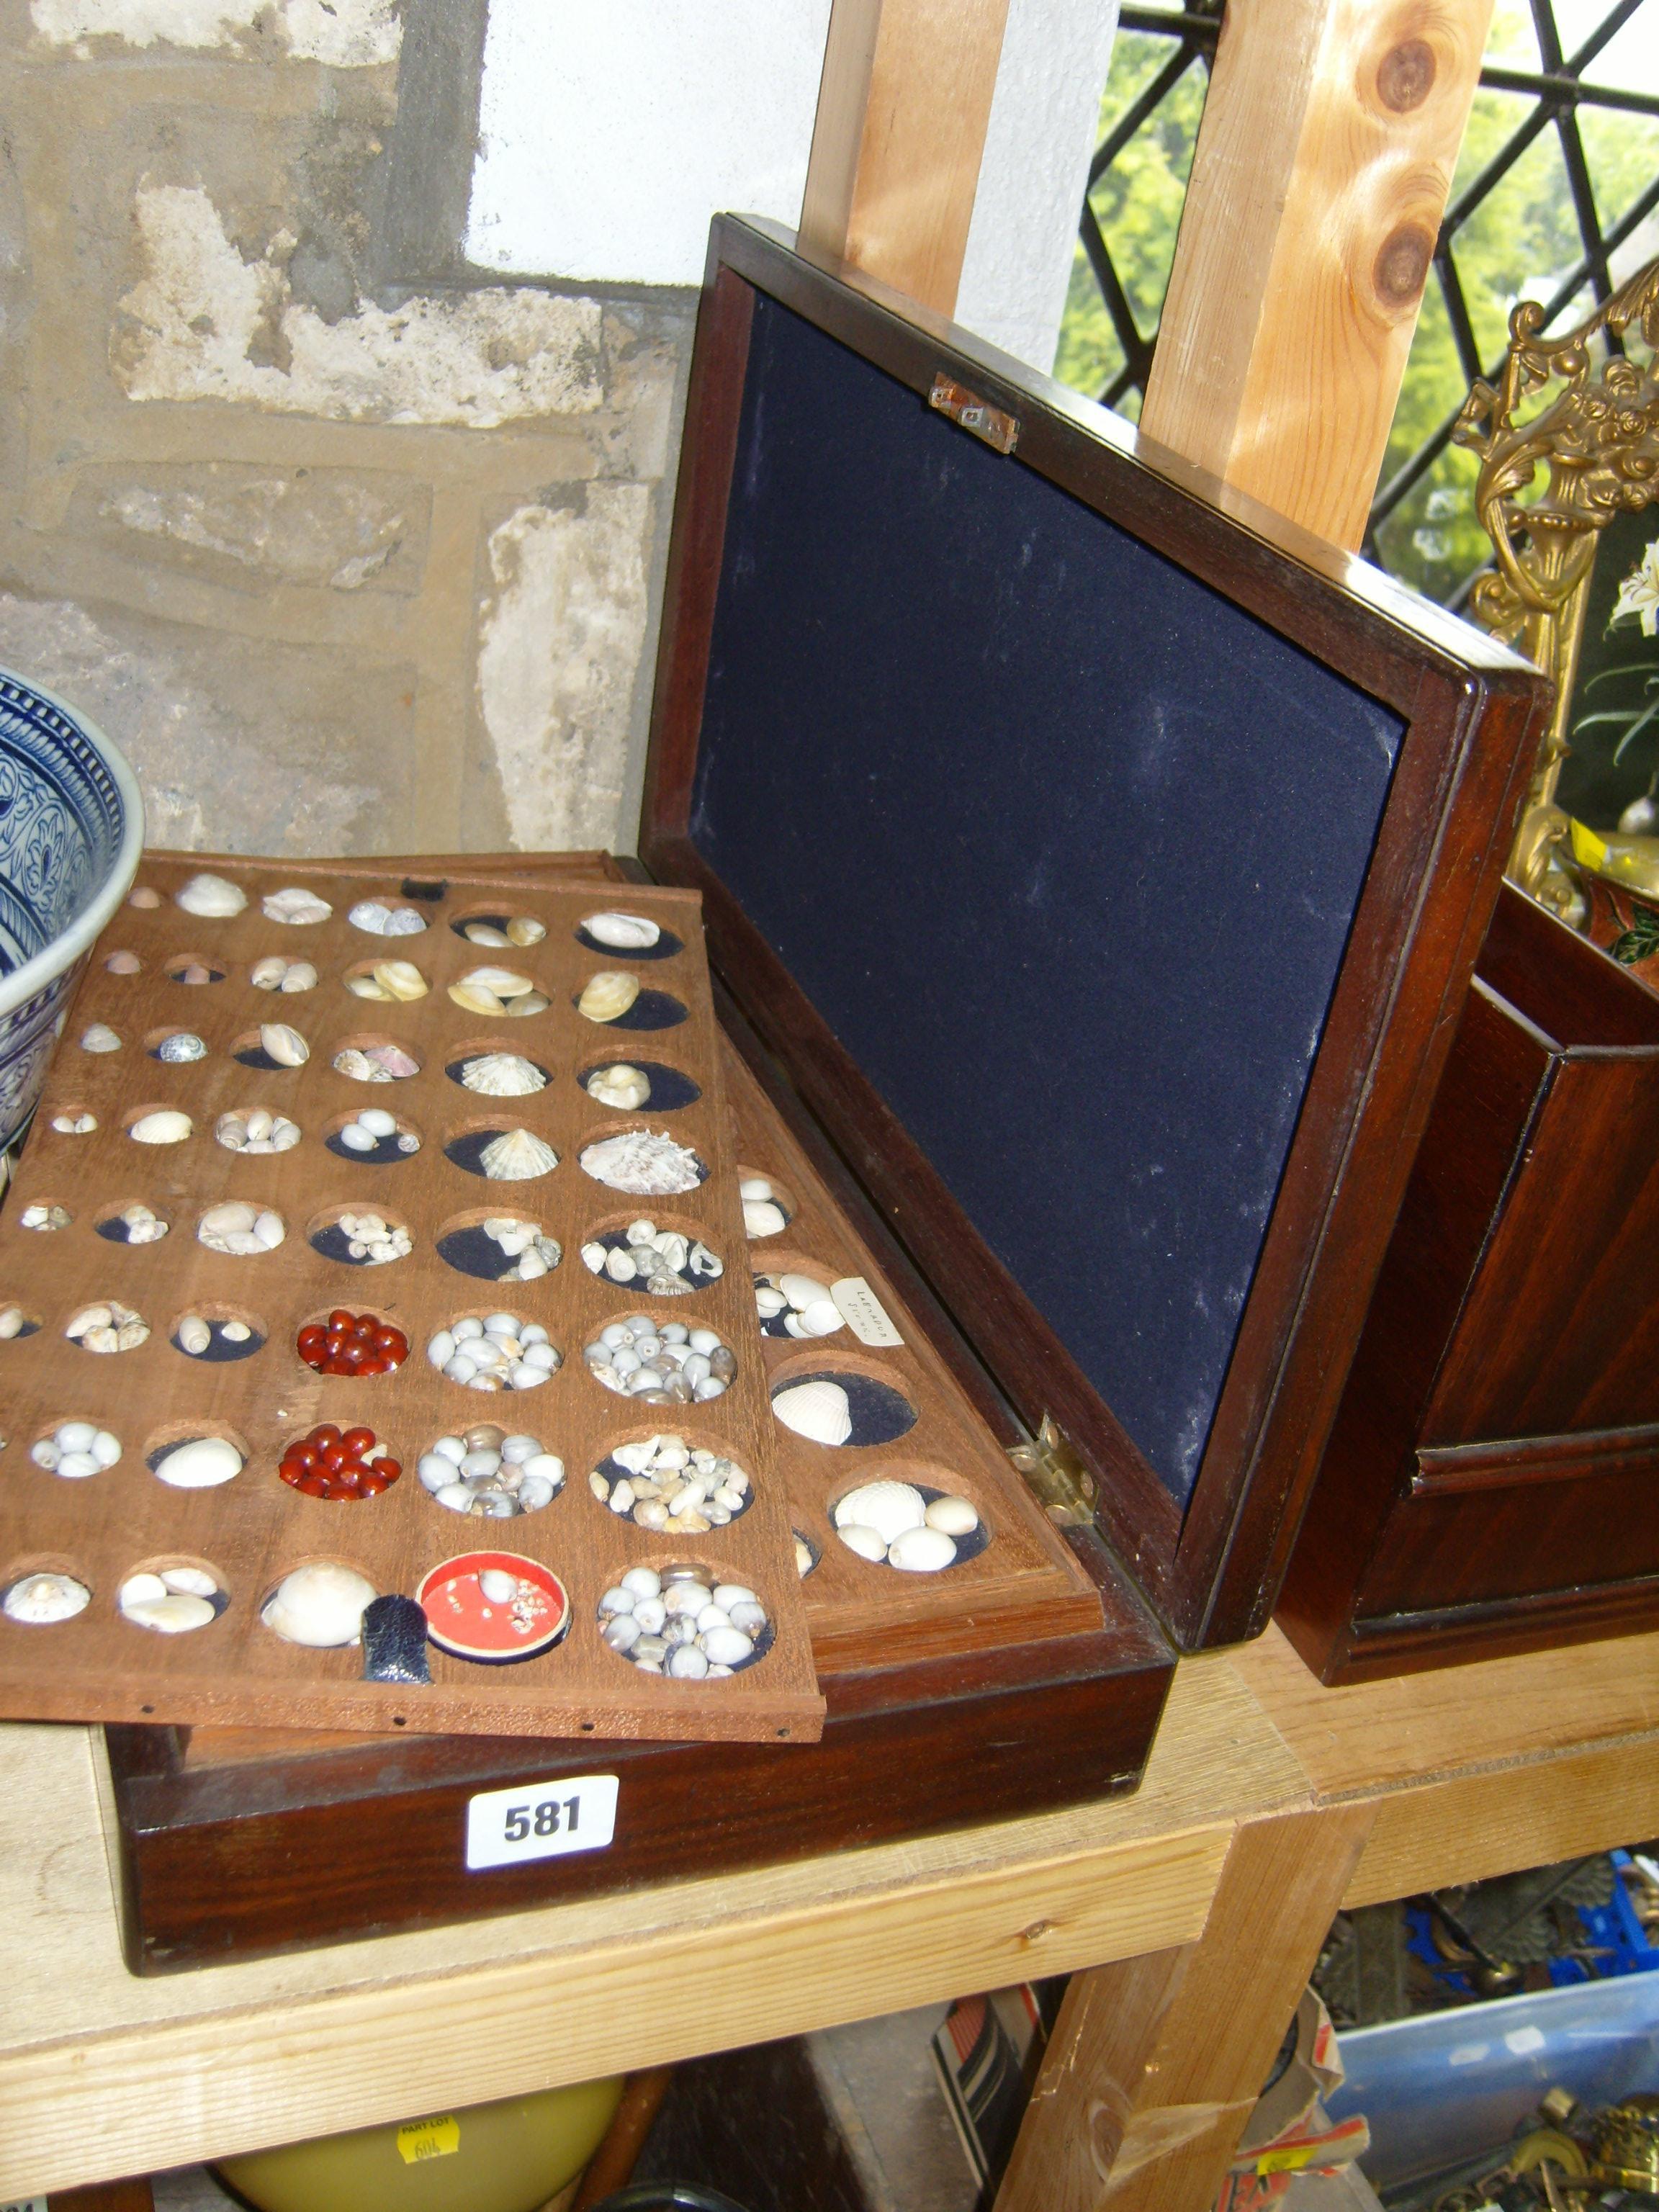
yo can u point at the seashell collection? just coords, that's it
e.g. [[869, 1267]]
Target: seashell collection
[[660, 1363], [672, 1487], [764, 1212], [660, 1261], [493, 1476], [494, 1352], [327, 1407], [899, 1525], [796, 1305], [681, 1623]]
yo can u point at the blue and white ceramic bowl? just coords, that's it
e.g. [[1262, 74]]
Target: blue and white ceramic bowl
[[71, 829]]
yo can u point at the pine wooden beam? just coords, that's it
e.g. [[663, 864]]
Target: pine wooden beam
[[902, 109], [1329, 138]]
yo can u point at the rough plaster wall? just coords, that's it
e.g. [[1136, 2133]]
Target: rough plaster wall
[[326, 530]]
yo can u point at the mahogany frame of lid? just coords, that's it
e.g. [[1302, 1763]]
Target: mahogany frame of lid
[[1472, 715]]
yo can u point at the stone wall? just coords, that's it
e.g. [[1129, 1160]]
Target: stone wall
[[350, 549]]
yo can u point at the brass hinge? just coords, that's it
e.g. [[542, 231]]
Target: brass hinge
[[1056, 1476], [993, 426]]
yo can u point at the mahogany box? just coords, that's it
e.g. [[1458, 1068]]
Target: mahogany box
[[1095, 868]]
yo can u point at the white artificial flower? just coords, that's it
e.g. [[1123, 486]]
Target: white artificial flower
[[1639, 593]]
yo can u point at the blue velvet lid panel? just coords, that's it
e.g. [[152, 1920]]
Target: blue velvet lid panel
[[1063, 845]]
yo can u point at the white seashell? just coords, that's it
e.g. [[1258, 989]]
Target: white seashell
[[821, 1318], [234, 1332], [817, 1410], [357, 1139], [921, 1552], [42, 1599], [754, 1187], [100, 1037], [295, 903], [269, 1229], [517, 1155], [761, 1217], [727, 1647], [366, 987], [189, 1582], [212, 898], [140, 1589], [954, 1515], [608, 995], [643, 1162], [201, 1464], [165, 1127], [687, 1662], [802, 1291], [498, 1586], [891, 1507], [503, 982], [484, 932], [267, 974], [523, 929], [503, 1075], [105, 1447], [300, 976], [232, 1217], [642, 1582], [193, 1334], [621, 1085], [623, 932], [400, 979], [804, 1562], [179, 1047], [173, 1614], [319, 1606], [868, 1543], [284, 1045]]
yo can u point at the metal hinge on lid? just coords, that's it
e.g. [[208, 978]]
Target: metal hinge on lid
[[993, 426], [1055, 1475]]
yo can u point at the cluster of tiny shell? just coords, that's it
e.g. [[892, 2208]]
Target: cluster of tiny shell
[[681, 1623]]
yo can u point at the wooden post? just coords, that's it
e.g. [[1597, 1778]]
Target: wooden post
[[1155, 2062], [902, 109], [1323, 162]]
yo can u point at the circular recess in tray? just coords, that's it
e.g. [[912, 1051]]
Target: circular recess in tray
[[172, 1596], [241, 1228], [899, 1518], [256, 1131], [767, 1205], [490, 1473], [663, 1257], [628, 936], [73, 1120], [343, 1463], [45, 1217], [196, 1456], [688, 1622], [193, 968], [217, 1335], [807, 1554], [374, 1058], [387, 918], [497, 929], [662, 1362], [296, 906], [135, 1223], [792, 1298], [16, 1321], [145, 897], [841, 1405], [500, 1151], [276, 971], [628, 1086], [342, 1343], [123, 962], [673, 1485], [495, 1352], [320, 1605], [387, 982], [105, 1325], [99, 1039], [498, 1247], [371, 1137], [275, 1047], [613, 1000], [158, 1124], [75, 1448], [359, 1236], [40, 1597], [494, 1607], [499, 990], [491, 1071]]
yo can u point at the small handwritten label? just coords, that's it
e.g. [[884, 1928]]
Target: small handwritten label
[[541, 1820], [863, 1311], [422, 2139]]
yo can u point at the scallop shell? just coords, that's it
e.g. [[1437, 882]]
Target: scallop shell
[[212, 898], [516, 1155], [608, 995], [623, 932], [285, 1046], [503, 1075], [643, 1162], [165, 1126], [818, 1411]]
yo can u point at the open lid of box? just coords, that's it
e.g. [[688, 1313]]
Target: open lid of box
[[1104, 860]]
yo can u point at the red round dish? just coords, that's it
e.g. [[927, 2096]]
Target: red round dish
[[496, 1632]]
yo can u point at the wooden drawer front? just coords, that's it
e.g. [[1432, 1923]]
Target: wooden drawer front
[[1514, 1520]]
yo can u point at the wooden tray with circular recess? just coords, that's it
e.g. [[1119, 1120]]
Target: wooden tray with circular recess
[[252, 1530]]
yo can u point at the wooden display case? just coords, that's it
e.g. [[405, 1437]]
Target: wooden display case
[[1094, 868]]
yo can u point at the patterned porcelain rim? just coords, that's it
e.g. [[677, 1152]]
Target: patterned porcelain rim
[[43, 969]]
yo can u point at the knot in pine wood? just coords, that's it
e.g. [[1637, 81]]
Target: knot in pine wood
[[1401, 265], [1404, 75]]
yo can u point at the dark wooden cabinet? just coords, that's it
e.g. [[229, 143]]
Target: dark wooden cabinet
[[1492, 1480]]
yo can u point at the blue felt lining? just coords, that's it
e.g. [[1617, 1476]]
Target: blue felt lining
[[1064, 846]]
